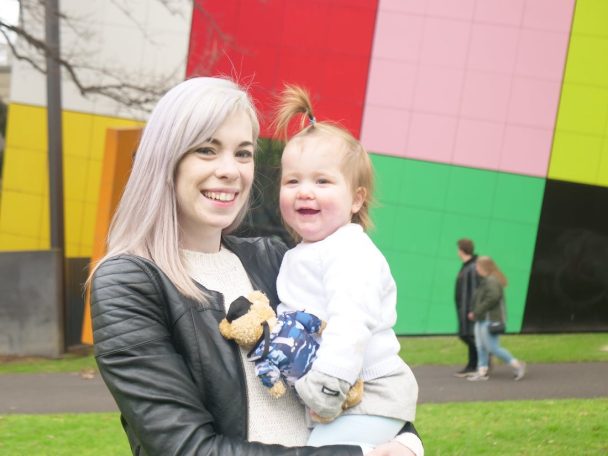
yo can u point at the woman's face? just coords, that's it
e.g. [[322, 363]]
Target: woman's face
[[213, 182]]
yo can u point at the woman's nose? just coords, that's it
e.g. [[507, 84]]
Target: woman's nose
[[227, 167]]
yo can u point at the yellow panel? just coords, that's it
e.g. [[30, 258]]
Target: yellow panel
[[21, 214], [93, 181], [26, 127], [77, 128], [9, 242], [575, 157], [73, 223], [25, 171], [88, 229], [75, 176], [45, 226]]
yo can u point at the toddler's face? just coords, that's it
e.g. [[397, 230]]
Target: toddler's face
[[316, 199]]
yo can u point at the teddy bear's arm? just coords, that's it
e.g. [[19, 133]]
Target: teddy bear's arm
[[270, 375]]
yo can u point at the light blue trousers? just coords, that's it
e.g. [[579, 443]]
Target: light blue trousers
[[487, 343], [367, 431]]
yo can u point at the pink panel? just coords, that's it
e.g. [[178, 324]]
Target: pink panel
[[493, 48], [506, 12], [385, 130], [541, 54], [526, 150], [486, 96], [438, 90], [391, 83], [549, 14], [475, 83], [431, 137], [461, 9], [445, 42], [416, 7], [533, 102], [398, 36], [478, 144]]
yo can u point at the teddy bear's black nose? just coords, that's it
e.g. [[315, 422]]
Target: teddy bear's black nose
[[239, 307]]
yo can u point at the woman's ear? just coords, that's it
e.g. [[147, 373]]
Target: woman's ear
[[358, 199]]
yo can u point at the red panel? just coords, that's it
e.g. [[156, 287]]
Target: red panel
[[323, 45]]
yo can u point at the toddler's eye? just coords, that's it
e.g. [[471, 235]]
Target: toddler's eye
[[323, 181]]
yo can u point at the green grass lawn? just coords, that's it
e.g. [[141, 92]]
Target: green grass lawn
[[446, 350], [515, 428], [550, 348]]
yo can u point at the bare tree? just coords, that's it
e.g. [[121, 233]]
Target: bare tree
[[79, 62]]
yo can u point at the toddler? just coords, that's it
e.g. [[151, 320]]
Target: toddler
[[337, 273]]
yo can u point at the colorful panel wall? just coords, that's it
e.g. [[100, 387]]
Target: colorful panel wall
[[484, 119]]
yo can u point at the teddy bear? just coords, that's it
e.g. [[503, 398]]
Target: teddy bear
[[283, 347]]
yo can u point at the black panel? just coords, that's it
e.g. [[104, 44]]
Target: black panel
[[569, 282]]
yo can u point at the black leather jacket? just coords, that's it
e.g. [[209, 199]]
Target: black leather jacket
[[180, 386]]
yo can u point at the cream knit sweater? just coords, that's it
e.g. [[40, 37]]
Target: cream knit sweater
[[270, 420]]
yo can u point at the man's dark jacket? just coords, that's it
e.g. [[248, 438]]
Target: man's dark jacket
[[466, 283]]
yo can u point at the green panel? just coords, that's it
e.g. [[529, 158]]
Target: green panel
[[419, 230], [471, 191], [383, 231], [425, 184], [518, 198], [389, 177], [591, 17], [438, 204], [456, 226]]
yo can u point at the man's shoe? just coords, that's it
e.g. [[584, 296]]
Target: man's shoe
[[466, 372], [478, 378], [520, 371]]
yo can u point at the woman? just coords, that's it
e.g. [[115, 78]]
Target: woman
[[180, 386], [488, 307]]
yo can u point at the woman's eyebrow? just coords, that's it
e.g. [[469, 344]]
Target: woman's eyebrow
[[217, 142]]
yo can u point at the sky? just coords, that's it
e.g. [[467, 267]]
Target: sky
[[9, 10]]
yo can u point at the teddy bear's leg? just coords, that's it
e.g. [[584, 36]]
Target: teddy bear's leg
[[278, 389], [354, 395]]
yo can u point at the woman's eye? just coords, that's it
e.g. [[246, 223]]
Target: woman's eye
[[205, 151], [244, 154]]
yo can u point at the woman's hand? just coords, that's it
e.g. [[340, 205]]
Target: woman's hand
[[471, 316], [391, 449]]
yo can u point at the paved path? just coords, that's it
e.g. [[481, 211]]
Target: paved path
[[71, 393]]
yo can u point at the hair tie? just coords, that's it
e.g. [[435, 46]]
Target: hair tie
[[312, 119]]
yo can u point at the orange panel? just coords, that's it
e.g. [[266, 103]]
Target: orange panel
[[121, 144]]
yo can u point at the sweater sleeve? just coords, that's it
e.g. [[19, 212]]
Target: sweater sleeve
[[353, 284], [149, 380]]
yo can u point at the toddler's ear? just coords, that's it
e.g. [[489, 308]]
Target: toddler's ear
[[358, 199]]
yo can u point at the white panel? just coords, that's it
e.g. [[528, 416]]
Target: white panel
[[141, 40]]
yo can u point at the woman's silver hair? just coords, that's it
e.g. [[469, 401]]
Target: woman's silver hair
[[145, 222]]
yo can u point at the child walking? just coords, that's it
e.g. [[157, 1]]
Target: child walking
[[337, 273], [488, 306]]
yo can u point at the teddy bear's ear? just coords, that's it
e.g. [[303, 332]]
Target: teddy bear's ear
[[226, 329]]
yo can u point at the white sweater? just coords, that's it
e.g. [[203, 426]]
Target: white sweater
[[345, 280], [271, 420]]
